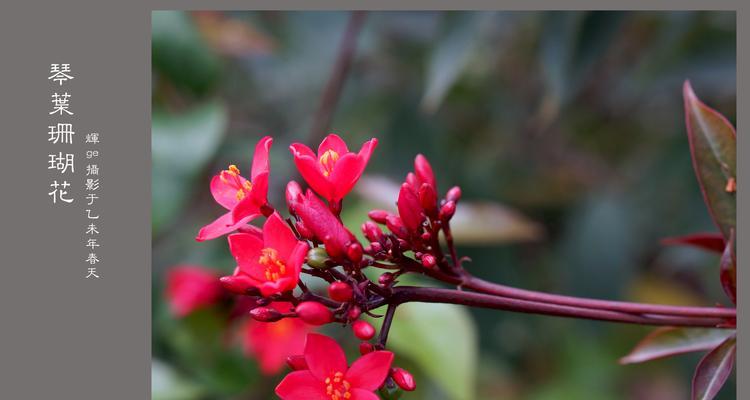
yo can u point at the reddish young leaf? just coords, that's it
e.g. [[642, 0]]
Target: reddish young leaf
[[669, 341], [713, 370], [713, 148], [728, 269], [706, 240]]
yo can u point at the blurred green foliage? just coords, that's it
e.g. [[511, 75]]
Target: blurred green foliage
[[572, 119]]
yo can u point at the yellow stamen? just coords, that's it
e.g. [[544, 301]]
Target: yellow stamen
[[328, 161], [234, 170], [338, 388], [275, 268]]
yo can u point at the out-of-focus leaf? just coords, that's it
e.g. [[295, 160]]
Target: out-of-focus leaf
[[442, 340], [449, 58], [571, 44], [232, 36], [474, 222], [179, 53], [669, 341], [728, 269], [181, 145], [713, 370], [662, 290], [708, 241], [166, 384], [713, 146]]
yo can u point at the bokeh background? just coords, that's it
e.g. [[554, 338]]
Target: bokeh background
[[565, 131]]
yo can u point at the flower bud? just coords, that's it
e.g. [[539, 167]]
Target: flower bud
[[428, 198], [237, 284], [302, 230], [447, 210], [404, 379], [409, 208], [372, 231], [340, 291], [454, 194], [354, 252], [386, 279], [365, 348], [378, 216], [313, 313], [424, 171], [354, 313], [426, 236], [396, 226], [428, 261], [363, 330], [297, 362], [376, 247], [317, 258], [265, 314], [293, 193]]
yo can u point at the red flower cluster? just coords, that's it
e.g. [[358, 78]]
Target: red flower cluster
[[315, 241]]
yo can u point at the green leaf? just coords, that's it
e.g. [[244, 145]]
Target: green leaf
[[181, 146], [668, 341], [713, 146], [179, 53], [442, 340], [713, 370]]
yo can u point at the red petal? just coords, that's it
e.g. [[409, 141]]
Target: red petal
[[370, 370], [324, 356], [366, 151], [297, 257], [247, 208], [246, 247], [708, 241], [333, 142], [279, 236], [221, 226], [259, 193], [280, 285], [311, 172], [260, 158], [345, 174], [361, 394], [224, 193], [301, 385]]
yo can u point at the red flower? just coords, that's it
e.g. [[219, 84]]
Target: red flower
[[190, 288], [272, 342], [330, 378], [272, 261], [243, 198], [335, 170], [321, 222]]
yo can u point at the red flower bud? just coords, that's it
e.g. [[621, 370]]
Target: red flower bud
[[293, 194], [454, 194], [237, 284], [302, 230], [385, 279], [372, 231], [428, 198], [424, 170], [409, 207], [428, 261], [378, 216], [404, 379], [376, 247], [363, 330], [354, 313], [354, 252], [426, 236], [365, 348], [265, 314], [317, 217], [396, 226], [340, 291], [297, 362], [313, 313], [447, 210]]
